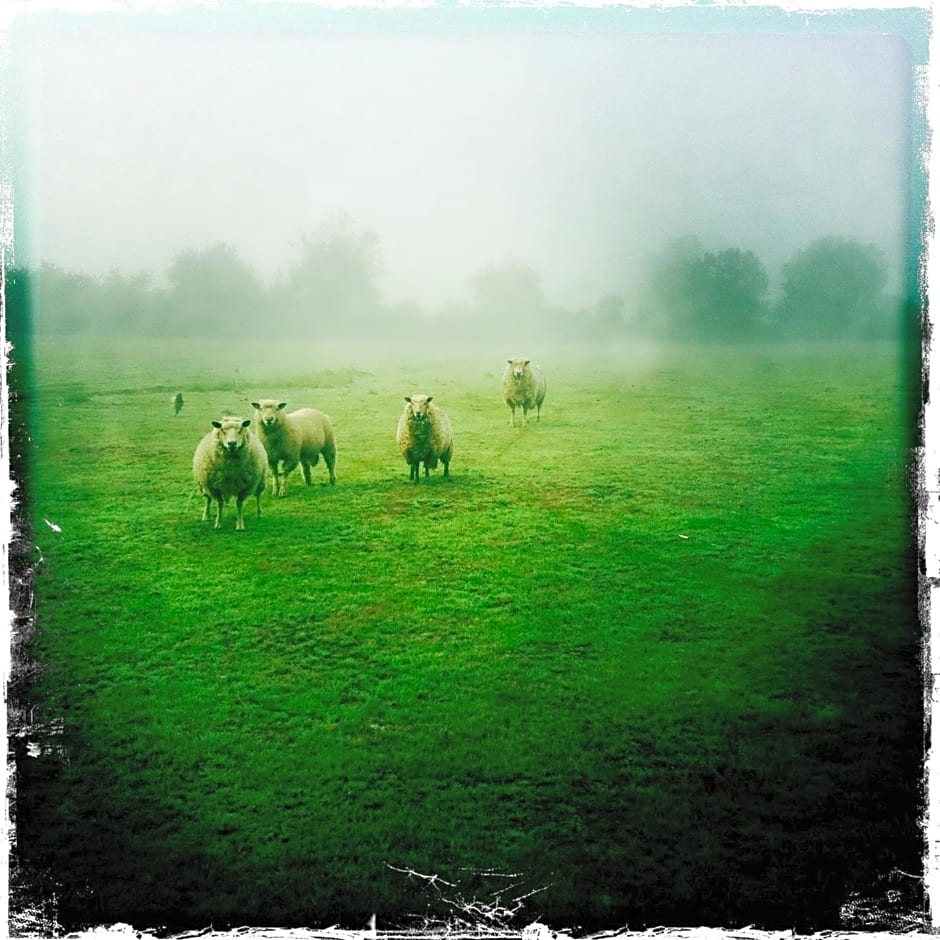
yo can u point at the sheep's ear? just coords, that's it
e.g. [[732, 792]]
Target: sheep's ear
[[216, 424], [527, 362], [430, 398], [254, 404], [246, 422], [281, 405], [408, 399], [509, 361]]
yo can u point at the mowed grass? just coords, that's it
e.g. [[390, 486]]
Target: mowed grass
[[656, 654]]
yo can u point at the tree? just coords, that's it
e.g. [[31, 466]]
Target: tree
[[211, 289], [833, 287], [608, 315], [671, 286], [128, 304], [709, 295], [63, 301], [334, 280], [730, 289], [509, 293], [18, 292]]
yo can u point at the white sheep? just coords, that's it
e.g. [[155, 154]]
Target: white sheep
[[523, 387], [230, 461], [424, 436], [299, 437]]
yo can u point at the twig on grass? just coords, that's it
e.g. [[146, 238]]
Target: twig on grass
[[432, 880]]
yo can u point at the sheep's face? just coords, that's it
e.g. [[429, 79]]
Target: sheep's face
[[518, 367], [418, 409], [232, 434], [268, 411]]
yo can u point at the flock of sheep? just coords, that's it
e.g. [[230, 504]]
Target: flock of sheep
[[234, 460]]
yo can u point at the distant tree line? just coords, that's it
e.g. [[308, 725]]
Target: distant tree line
[[331, 286], [834, 287]]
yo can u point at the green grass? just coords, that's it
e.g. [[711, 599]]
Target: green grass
[[657, 653]]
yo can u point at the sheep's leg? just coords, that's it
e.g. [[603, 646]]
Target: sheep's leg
[[329, 458], [205, 511], [512, 416], [258, 498], [305, 469], [446, 468], [286, 467], [218, 519], [240, 513]]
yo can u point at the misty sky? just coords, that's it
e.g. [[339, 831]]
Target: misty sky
[[579, 153]]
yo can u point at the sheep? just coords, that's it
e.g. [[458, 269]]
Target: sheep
[[299, 437], [424, 435], [523, 387], [230, 461], [177, 403]]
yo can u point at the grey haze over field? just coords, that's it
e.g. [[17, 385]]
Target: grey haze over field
[[581, 154]]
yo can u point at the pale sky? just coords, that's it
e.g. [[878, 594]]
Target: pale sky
[[578, 152]]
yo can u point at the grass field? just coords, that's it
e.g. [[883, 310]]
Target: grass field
[[657, 654]]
